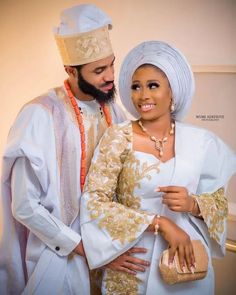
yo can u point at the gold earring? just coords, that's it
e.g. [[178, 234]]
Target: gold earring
[[172, 107]]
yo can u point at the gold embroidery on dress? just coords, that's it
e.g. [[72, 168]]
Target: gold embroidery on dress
[[120, 283], [214, 210], [131, 175], [122, 223]]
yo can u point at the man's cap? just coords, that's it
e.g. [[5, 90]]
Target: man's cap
[[83, 35]]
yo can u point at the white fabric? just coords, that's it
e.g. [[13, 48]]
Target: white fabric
[[35, 244], [172, 62], [202, 164], [82, 18]]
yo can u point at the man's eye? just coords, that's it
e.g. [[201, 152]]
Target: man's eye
[[135, 87], [153, 85], [98, 71]]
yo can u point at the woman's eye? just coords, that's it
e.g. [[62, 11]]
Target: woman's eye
[[135, 87], [153, 85]]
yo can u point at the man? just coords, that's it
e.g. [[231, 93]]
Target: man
[[46, 160]]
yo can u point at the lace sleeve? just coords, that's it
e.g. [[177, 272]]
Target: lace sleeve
[[214, 210]]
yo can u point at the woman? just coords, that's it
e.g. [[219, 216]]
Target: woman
[[167, 176]]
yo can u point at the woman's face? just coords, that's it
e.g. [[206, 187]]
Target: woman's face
[[151, 93]]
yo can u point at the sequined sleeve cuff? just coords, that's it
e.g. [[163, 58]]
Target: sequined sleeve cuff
[[214, 210]]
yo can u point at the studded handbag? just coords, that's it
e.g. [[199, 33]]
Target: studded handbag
[[174, 274]]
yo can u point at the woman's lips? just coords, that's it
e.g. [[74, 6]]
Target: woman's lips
[[147, 107]]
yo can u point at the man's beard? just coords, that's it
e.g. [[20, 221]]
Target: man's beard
[[97, 94]]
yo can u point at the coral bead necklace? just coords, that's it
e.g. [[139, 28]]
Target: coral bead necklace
[[79, 118]]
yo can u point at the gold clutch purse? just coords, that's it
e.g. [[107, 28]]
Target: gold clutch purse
[[175, 274]]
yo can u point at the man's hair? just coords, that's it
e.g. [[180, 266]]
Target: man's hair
[[78, 68]]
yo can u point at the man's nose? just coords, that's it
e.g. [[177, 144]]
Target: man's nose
[[109, 75]]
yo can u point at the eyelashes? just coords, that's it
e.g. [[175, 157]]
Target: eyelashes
[[150, 85], [153, 85], [135, 86]]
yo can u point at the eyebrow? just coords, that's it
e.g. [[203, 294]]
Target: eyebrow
[[103, 67]]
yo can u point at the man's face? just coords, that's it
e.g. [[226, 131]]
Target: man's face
[[97, 79]]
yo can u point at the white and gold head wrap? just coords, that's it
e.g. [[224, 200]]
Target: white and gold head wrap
[[82, 36], [172, 62]]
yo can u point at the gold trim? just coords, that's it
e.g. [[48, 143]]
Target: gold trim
[[230, 69], [231, 245], [84, 48]]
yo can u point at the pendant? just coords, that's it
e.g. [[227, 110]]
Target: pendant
[[159, 143]]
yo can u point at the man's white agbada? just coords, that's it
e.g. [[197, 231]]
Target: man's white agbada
[[40, 186]]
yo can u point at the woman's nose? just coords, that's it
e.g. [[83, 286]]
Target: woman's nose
[[144, 94]]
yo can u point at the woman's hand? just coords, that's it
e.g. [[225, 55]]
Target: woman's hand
[[177, 199], [179, 241], [128, 263]]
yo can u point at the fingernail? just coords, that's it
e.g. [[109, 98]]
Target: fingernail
[[184, 269], [147, 263], [195, 265], [192, 270], [170, 264], [157, 189]]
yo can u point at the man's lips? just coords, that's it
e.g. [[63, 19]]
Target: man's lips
[[107, 87], [147, 107]]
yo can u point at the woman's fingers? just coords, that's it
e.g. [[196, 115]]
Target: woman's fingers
[[186, 257], [181, 254], [172, 251], [189, 256], [180, 201], [174, 205], [169, 189]]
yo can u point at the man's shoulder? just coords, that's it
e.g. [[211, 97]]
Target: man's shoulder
[[37, 111], [44, 102], [51, 97]]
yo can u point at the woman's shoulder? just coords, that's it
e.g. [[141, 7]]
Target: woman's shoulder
[[124, 128], [124, 124], [116, 139], [195, 133]]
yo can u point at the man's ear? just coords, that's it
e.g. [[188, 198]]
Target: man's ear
[[71, 71]]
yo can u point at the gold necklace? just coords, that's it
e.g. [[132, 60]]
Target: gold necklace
[[159, 143]]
